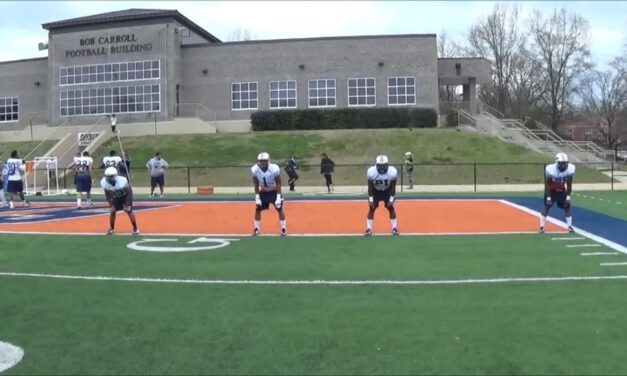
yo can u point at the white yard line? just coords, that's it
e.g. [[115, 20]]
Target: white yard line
[[591, 236], [599, 253], [582, 245], [612, 263], [318, 281], [569, 238]]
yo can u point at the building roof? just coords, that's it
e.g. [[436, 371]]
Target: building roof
[[130, 15]]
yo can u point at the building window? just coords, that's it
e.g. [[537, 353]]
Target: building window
[[322, 93], [282, 94], [9, 109], [569, 131], [110, 72], [588, 131], [119, 100], [361, 92], [401, 91], [244, 96]]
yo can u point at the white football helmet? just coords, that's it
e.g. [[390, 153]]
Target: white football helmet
[[111, 171], [381, 162], [562, 161], [263, 159], [408, 154]]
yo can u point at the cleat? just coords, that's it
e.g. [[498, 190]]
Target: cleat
[[161, 195], [395, 231], [79, 207], [368, 232], [26, 204], [11, 206], [92, 205], [541, 230], [110, 232], [283, 231], [571, 229], [255, 232], [136, 232]]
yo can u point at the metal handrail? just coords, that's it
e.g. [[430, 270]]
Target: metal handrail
[[198, 110]]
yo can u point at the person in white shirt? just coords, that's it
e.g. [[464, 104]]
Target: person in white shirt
[[558, 185], [119, 194], [82, 178], [267, 185], [114, 123], [16, 169], [381, 187], [3, 177], [156, 168]]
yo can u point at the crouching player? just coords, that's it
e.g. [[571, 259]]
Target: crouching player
[[381, 187], [119, 194], [267, 185], [557, 189]]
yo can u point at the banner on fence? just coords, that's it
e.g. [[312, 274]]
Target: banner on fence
[[86, 138]]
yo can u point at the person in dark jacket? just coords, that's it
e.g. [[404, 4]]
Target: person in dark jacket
[[291, 168], [327, 167]]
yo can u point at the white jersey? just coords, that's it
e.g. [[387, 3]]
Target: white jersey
[[120, 183], [267, 179], [382, 182], [83, 164], [558, 178], [112, 161], [15, 169]]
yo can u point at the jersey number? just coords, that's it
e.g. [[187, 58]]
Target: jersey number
[[265, 183], [381, 182], [12, 168]]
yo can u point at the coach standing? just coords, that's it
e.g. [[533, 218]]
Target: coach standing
[[156, 168]]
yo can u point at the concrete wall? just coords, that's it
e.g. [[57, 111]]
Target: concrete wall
[[27, 80], [330, 58], [159, 37]]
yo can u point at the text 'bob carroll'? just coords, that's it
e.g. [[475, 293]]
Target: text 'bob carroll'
[[94, 50]]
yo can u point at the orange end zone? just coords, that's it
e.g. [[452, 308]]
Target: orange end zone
[[303, 217]]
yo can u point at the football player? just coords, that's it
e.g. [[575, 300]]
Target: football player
[[15, 172], [558, 186], [82, 178], [381, 188], [114, 160], [119, 194], [267, 185]]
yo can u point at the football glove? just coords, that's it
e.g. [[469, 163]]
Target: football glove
[[548, 200], [257, 200], [279, 201], [567, 198]]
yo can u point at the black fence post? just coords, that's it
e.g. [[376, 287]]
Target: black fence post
[[474, 168], [189, 183]]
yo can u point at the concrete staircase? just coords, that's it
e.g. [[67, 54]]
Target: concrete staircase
[[543, 140]]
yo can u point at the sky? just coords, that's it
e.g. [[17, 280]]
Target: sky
[[21, 31]]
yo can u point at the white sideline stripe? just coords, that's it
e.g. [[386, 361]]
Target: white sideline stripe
[[589, 235], [358, 234], [10, 355], [612, 263], [319, 281], [582, 245], [571, 238], [599, 253]]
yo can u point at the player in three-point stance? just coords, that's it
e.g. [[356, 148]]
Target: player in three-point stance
[[119, 194], [381, 187], [558, 186], [267, 184]]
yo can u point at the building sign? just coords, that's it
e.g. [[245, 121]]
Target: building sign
[[108, 45], [86, 138]]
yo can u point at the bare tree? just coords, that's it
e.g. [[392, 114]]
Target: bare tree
[[240, 34], [559, 45], [526, 86], [604, 94], [498, 39]]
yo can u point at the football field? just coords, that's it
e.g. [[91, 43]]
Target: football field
[[469, 287]]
